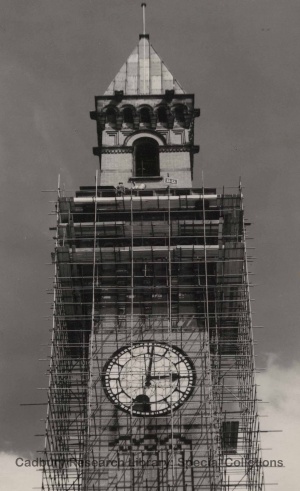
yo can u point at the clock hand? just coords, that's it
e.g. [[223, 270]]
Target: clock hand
[[148, 374], [174, 376]]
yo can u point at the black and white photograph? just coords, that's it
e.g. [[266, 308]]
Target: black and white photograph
[[150, 231]]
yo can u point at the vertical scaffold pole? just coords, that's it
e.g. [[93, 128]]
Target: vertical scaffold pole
[[170, 332], [91, 344]]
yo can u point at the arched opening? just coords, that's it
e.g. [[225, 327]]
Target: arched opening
[[145, 117], [179, 115], [128, 116], [146, 158], [111, 117], [162, 115]]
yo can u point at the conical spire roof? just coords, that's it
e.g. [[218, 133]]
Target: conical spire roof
[[144, 73]]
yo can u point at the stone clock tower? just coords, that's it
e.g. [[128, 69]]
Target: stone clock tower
[[151, 376]]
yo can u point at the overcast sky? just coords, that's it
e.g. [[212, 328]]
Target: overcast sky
[[241, 59]]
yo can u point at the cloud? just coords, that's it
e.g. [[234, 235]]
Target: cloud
[[280, 387], [17, 478]]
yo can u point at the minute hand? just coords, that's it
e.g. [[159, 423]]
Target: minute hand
[[148, 374]]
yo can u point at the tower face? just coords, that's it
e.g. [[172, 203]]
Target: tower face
[[151, 380]]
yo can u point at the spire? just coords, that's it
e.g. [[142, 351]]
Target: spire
[[144, 72], [144, 5]]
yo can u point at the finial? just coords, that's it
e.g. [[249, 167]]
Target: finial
[[144, 5]]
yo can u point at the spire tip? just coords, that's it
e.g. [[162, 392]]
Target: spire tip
[[144, 5]]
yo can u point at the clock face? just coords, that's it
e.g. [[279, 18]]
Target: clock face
[[148, 378]]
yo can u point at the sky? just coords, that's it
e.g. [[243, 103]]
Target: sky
[[241, 59]]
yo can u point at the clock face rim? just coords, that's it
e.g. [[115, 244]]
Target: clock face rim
[[162, 412]]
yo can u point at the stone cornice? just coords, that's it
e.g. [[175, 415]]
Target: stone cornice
[[129, 149], [177, 148], [111, 150]]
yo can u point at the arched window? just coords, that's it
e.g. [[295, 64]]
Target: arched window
[[127, 116], [111, 117], [146, 158], [179, 115], [162, 115], [145, 116]]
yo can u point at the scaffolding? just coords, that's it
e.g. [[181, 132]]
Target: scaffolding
[[165, 266]]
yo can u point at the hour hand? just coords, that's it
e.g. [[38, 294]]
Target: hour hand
[[173, 376]]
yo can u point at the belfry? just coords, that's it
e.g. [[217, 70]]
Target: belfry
[[145, 124], [152, 366]]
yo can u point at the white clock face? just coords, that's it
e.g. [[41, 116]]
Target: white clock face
[[149, 378]]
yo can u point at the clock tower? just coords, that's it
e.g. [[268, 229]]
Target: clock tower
[[152, 367]]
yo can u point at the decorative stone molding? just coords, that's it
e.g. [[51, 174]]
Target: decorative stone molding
[[175, 148], [145, 134], [129, 149], [188, 113], [111, 150]]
